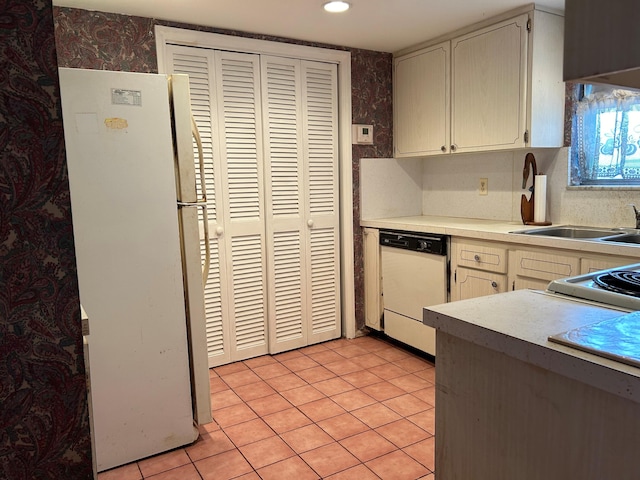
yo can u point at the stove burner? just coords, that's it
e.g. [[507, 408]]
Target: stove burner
[[626, 282]]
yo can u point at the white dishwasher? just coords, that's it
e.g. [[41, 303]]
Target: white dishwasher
[[414, 275]]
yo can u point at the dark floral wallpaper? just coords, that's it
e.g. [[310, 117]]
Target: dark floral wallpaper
[[104, 41], [44, 423], [108, 41]]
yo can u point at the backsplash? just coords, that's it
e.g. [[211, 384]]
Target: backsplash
[[451, 184], [450, 187], [390, 187]]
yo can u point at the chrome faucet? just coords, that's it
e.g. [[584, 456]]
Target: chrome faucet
[[635, 210]]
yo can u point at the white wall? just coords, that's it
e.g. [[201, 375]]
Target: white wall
[[448, 186]]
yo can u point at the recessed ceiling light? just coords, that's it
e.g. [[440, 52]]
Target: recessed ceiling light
[[336, 6]]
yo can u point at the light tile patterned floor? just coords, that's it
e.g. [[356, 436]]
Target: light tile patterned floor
[[345, 409]]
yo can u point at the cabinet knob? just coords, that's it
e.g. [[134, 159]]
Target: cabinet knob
[[219, 231], [476, 257], [443, 148], [310, 223], [453, 147], [494, 284]]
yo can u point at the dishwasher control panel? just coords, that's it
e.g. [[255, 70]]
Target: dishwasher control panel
[[432, 243]]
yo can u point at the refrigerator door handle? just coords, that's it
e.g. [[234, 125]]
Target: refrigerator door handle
[[203, 201], [192, 204]]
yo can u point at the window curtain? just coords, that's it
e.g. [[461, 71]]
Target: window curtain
[[608, 134]]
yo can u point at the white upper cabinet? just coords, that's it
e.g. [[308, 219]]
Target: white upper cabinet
[[494, 87], [421, 101], [488, 87]]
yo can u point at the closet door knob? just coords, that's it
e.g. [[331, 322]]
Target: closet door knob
[[310, 223], [219, 231]]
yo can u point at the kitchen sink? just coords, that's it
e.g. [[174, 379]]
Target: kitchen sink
[[575, 232], [628, 238]]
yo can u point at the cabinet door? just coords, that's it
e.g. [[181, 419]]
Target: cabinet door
[[421, 102], [535, 269], [372, 284], [240, 166], [544, 266], [320, 132], [301, 200], [488, 93], [284, 167], [477, 283]]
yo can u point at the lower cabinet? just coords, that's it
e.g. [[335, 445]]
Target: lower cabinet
[[477, 268], [481, 268]]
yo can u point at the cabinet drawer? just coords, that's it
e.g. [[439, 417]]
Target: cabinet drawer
[[590, 265], [491, 259], [545, 266]]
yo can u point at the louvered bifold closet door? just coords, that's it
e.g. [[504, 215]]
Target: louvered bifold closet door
[[199, 65], [237, 78], [286, 225], [320, 132]]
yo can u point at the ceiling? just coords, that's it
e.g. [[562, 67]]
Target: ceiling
[[381, 25]]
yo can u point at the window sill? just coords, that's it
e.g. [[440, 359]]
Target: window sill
[[618, 188]]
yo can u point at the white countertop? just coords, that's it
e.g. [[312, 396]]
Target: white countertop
[[496, 230], [519, 323]]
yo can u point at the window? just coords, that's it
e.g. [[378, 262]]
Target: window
[[606, 137]]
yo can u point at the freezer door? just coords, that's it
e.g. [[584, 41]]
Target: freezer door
[[191, 260]]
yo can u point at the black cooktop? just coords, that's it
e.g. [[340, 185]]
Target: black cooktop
[[626, 282]]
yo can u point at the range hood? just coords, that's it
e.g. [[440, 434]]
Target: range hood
[[600, 42]]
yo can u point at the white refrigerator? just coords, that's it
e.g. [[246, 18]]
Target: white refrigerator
[[132, 179]]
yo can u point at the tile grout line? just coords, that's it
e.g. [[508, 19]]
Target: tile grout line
[[406, 362], [307, 383]]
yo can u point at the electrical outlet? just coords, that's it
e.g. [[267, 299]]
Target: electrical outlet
[[484, 186]]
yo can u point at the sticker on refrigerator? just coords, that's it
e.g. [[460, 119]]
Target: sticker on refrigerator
[[116, 123], [122, 96]]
